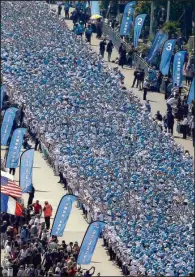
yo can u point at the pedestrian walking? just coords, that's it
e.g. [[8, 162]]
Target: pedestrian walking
[[47, 214], [109, 48], [136, 72]]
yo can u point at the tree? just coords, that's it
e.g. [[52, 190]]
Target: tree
[[172, 29]]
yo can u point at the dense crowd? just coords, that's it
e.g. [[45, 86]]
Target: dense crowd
[[102, 140], [29, 250]]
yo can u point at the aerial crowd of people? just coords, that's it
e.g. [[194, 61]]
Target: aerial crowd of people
[[104, 145]]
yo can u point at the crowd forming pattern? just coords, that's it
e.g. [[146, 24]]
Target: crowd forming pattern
[[113, 153]]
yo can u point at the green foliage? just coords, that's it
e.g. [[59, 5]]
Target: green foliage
[[172, 28]]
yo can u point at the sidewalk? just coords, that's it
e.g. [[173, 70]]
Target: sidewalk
[[157, 101]]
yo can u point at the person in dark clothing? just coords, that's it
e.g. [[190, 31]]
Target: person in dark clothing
[[158, 116], [102, 47], [22, 115], [130, 58], [88, 33], [12, 171], [170, 122], [31, 196], [159, 80], [135, 77], [59, 9], [37, 143], [109, 48], [141, 77], [122, 53]]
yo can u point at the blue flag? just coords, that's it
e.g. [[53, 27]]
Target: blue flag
[[139, 22], [15, 148], [26, 167], [166, 56], [89, 242], [178, 64], [7, 124], [191, 93], [62, 215], [127, 18], [157, 43], [95, 9], [2, 94]]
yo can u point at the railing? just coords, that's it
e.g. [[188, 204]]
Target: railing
[[117, 40]]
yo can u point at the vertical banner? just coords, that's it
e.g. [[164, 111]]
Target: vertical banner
[[62, 215], [7, 124], [26, 167], [2, 94], [15, 148], [95, 9], [166, 56], [178, 64], [191, 96], [139, 22], [157, 43], [127, 18], [89, 242]]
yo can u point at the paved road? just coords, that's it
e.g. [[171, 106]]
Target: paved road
[[47, 188], [157, 100]]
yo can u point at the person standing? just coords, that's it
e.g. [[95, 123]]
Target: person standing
[[185, 127], [122, 53], [31, 196], [109, 49], [37, 208], [47, 214], [141, 79], [66, 9], [88, 33], [146, 86], [102, 47], [170, 122], [135, 77], [59, 8]]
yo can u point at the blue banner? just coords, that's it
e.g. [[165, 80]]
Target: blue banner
[[95, 9], [127, 18], [139, 22], [7, 124], [178, 64], [2, 94], [15, 148], [62, 215], [191, 93], [166, 56], [157, 43], [89, 242], [26, 167]]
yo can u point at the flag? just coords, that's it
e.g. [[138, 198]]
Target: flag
[[139, 22], [89, 242], [7, 124], [9, 187], [166, 56], [15, 148], [127, 19], [178, 64], [10, 205], [2, 94], [157, 43], [95, 9], [62, 215], [191, 93], [26, 167]]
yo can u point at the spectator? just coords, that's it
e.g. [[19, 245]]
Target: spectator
[[37, 208], [109, 49], [47, 214], [102, 47], [146, 87], [136, 72]]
